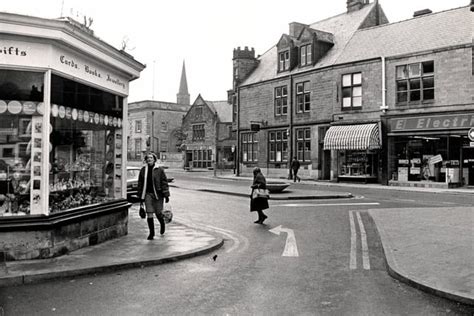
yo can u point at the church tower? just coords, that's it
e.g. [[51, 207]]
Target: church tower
[[183, 96]]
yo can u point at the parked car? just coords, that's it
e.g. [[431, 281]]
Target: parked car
[[132, 182]]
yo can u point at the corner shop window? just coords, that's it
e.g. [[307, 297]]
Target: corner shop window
[[86, 146], [21, 107]]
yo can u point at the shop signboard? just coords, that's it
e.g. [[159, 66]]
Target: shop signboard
[[66, 61], [433, 122], [435, 159]]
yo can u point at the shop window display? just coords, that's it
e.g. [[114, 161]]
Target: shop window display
[[355, 163], [86, 146], [21, 109]]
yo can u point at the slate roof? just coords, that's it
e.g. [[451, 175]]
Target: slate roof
[[427, 32], [342, 26], [223, 110]]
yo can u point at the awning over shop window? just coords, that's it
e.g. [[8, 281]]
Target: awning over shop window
[[352, 137]]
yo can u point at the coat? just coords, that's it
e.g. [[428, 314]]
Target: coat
[[258, 204], [295, 165], [160, 182]]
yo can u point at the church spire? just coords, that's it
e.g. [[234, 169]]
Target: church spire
[[183, 96]]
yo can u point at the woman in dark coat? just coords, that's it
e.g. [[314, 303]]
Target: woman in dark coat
[[258, 204]]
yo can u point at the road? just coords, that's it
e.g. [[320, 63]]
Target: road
[[252, 274]]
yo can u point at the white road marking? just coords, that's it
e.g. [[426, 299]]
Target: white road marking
[[235, 237], [291, 250], [363, 238], [331, 204], [353, 253]]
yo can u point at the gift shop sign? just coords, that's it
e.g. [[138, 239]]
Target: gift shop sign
[[69, 62], [432, 122]]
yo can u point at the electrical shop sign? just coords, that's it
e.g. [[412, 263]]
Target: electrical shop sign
[[432, 122]]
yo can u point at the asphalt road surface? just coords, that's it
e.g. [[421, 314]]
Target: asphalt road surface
[[305, 267]]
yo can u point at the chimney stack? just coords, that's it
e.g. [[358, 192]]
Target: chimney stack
[[354, 5], [422, 12]]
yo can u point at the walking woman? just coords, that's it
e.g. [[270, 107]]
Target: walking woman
[[258, 204], [153, 189]]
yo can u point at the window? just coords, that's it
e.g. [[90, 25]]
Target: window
[[198, 132], [163, 146], [138, 148], [281, 101], [249, 147], [199, 110], [352, 91], [138, 126], [164, 126], [278, 146], [305, 55], [415, 82], [302, 97], [284, 61], [202, 158], [303, 144]]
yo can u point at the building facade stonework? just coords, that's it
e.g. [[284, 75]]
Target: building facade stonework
[[342, 99]]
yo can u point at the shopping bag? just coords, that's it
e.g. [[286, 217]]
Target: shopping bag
[[168, 213], [261, 193], [142, 211]]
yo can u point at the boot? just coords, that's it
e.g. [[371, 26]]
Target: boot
[[264, 217], [162, 225], [151, 227], [259, 217]]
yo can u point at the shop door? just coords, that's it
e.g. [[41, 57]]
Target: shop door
[[189, 159], [468, 157]]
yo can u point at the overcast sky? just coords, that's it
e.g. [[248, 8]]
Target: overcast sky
[[161, 34]]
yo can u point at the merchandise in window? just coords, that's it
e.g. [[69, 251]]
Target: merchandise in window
[[278, 146], [415, 82], [86, 146], [281, 101], [352, 91], [302, 97], [21, 116]]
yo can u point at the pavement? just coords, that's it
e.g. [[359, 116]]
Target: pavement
[[431, 249]]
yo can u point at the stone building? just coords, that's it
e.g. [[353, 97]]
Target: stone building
[[354, 97], [156, 125], [208, 130]]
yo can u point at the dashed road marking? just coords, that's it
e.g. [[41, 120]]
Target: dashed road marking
[[327, 204]]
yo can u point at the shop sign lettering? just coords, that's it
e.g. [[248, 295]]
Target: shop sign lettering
[[12, 50], [434, 122], [90, 71]]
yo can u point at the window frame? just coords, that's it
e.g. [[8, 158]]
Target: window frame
[[199, 131], [281, 101], [419, 80], [284, 60], [351, 87], [303, 141], [306, 55], [278, 143], [249, 144], [303, 97], [138, 126]]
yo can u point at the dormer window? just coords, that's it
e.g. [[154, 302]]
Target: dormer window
[[305, 55], [284, 60]]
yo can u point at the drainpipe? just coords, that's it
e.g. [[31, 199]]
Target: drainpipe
[[290, 130], [383, 107], [237, 149]]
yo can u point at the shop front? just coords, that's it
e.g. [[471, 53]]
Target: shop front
[[355, 152], [431, 150], [62, 142]]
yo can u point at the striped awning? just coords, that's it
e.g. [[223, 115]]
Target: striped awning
[[352, 137]]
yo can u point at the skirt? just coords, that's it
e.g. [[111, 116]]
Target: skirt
[[258, 204]]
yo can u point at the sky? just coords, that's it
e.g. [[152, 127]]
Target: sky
[[202, 33]]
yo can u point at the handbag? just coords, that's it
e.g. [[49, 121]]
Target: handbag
[[142, 211], [260, 193], [167, 213]]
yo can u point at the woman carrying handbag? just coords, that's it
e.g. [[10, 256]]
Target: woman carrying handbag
[[259, 195]]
